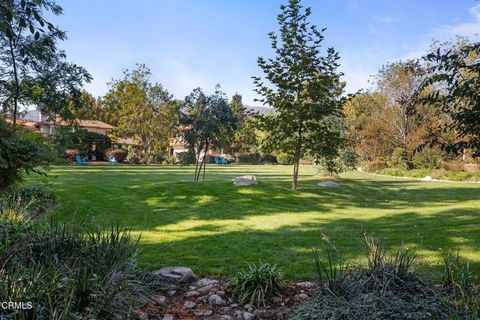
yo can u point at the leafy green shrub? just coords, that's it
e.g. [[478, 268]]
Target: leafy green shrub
[[20, 152], [187, 157], [170, 159], [257, 284], [346, 160], [459, 175], [400, 159], [427, 159], [248, 157], [454, 166], [440, 174], [285, 159], [396, 172], [133, 155], [375, 166], [268, 158], [419, 173], [119, 154]]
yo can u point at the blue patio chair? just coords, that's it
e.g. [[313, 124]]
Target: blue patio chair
[[217, 160], [79, 160]]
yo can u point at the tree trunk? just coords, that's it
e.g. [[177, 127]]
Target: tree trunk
[[198, 170], [17, 86], [295, 175], [204, 162], [296, 163], [196, 165]]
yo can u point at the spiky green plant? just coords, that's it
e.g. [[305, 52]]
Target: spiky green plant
[[463, 284], [257, 284], [332, 274]]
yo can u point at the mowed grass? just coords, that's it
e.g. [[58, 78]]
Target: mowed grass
[[215, 227]]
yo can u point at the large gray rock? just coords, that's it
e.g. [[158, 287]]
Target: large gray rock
[[176, 274], [245, 181], [328, 184]]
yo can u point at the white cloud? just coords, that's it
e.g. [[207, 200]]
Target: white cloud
[[469, 29], [466, 29]]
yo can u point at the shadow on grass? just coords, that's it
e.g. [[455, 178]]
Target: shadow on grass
[[211, 226], [290, 247]]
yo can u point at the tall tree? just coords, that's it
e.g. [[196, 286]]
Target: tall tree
[[136, 106], [453, 84], [303, 86], [399, 82], [32, 69], [209, 122]]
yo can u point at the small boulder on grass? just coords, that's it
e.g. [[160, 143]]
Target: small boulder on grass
[[329, 184], [245, 180]]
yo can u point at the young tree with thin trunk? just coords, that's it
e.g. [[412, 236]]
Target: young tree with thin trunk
[[304, 88], [209, 122]]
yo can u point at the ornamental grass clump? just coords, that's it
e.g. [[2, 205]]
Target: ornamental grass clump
[[385, 287], [63, 272], [463, 286], [257, 284]]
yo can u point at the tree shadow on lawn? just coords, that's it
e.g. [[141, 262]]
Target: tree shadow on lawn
[[223, 253], [425, 214], [147, 203], [170, 204]]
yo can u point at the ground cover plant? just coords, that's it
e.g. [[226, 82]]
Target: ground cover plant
[[388, 286], [215, 227], [58, 271]]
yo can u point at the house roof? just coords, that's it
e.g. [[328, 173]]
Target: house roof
[[25, 123], [82, 123]]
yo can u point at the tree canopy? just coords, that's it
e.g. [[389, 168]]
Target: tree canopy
[[33, 71], [141, 109], [453, 84], [304, 88], [208, 121]]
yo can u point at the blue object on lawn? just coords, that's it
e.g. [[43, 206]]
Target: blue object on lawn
[[79, 160], [112, 160], [216, 160]]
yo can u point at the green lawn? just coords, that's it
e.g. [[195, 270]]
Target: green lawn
[[214, 227]]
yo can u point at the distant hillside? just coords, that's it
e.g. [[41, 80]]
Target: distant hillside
[[259, 109]]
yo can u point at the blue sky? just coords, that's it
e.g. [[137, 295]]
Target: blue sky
[[191, 43]]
